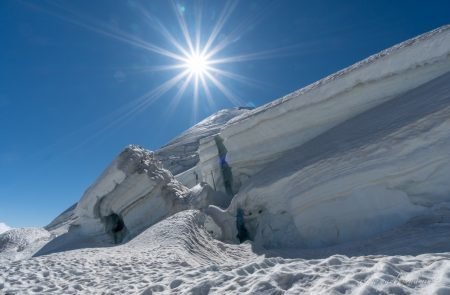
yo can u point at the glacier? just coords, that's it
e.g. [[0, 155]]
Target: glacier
[[340, 187]]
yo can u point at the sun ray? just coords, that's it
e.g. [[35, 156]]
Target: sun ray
[[106, 30], [195, 100], [262, 55], [223, 18], [195, 56], [238, 77], [236, 34], [161, 28], [231, 97], [152, 69], [179, 11], [198, 27], [209, 98], [176, 99], [138, 106]]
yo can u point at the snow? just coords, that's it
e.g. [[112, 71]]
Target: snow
[[181, 154], [262, 135], [22, 243], [132, 185], [179, 256], [338, 188], [3, 227], [371, 173]]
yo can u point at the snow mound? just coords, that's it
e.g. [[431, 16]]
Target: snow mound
[[21, 243], [3, 227]]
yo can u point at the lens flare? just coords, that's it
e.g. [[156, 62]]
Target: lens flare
[[197, 64], [196, 58]]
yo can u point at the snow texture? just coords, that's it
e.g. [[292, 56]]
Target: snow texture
[[179, 256], [181, 153], [3, 227], [21, 243], [338, 188], [262, 135]]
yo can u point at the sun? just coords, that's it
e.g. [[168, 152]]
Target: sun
[[197, 64], [194, 54]]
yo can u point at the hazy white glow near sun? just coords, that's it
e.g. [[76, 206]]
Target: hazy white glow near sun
[[197, 64]]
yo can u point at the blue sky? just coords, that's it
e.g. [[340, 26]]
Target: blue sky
[[72, 73]]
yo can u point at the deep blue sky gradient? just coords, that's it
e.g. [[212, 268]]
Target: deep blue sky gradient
[[63, 86]]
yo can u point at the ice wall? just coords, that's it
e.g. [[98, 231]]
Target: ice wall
[[363, 176], [180, 155], [134, 193], [264, 134]]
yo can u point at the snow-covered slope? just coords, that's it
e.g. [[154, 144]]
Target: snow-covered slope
[[181, 153], [61, 223], [178, 156], [3, 227], [366, 175], [339, 188], [262, 135], [132, 194]]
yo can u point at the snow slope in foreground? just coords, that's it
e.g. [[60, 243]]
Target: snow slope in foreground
[[179, 256]]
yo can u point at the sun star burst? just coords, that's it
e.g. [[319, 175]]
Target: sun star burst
[[197, 64]]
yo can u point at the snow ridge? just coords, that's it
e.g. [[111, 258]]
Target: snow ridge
[[3, 227]]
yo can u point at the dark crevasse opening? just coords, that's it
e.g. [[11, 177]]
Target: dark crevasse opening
[[225, 168], [115, 227], [240, 225]]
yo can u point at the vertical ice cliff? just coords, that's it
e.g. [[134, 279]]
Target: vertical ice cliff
[[262, 135], [371, 173], [181, 155]]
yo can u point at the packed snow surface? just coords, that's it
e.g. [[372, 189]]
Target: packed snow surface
[[179, 256], [341, 187]]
